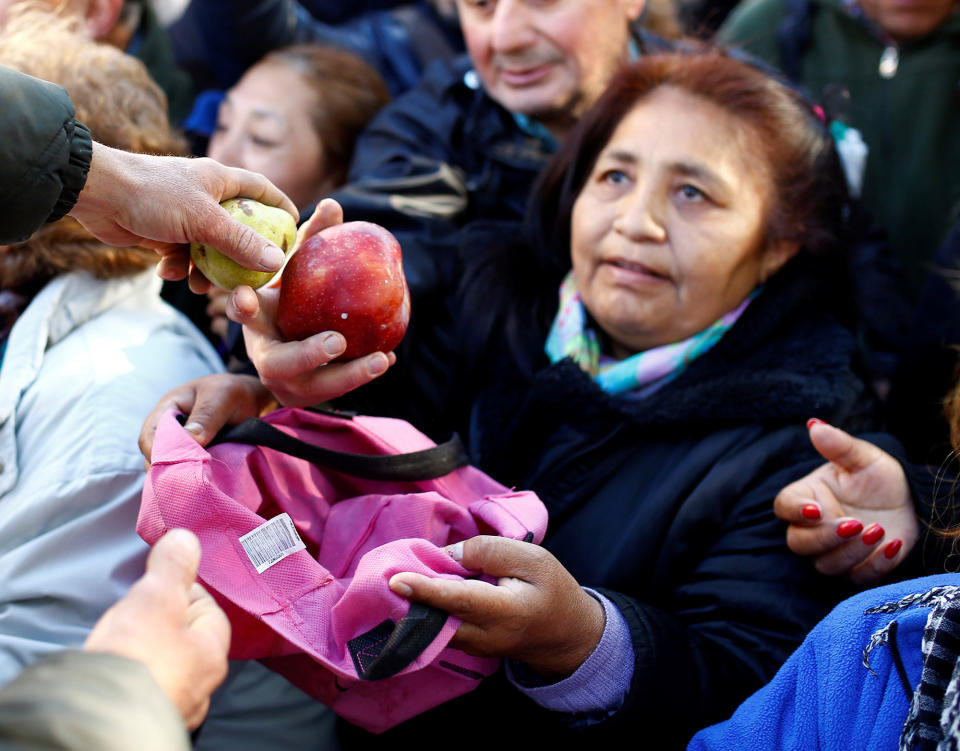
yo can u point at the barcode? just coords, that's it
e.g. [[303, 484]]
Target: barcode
[[271, 542]]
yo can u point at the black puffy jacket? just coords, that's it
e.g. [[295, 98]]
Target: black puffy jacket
[[666, 505], [44, 154]]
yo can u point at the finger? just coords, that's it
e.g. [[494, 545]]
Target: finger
[[822, 538], [221, 400], [198, 283], [253, 185], [236, 240], [180, 399], [339, 378], [175, 558], [197, 714], [844, 559], [288, 360], [886, 557], [252, 309], [841, 448], [327, 214], [502, 557], [174, 267], [797, 504], [204, 615], [470, 600]]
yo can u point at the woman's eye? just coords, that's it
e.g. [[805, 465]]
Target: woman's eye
[[262, 142], [692, 194], [614, 177]]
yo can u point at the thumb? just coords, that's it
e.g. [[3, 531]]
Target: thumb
[[841, 448], [175, 558], [236, 240]]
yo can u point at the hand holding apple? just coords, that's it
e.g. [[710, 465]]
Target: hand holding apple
[[308, 371], [346, 278]]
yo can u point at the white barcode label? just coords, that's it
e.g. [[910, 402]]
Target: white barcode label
[[271, 542]]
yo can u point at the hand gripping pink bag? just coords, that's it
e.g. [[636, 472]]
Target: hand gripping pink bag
[[303, 517]]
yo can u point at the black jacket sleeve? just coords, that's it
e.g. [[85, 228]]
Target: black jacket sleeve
[[44, 155]]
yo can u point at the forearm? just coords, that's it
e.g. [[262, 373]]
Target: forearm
[[87, 700]]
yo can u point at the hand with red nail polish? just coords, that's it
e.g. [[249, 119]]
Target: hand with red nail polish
[[849, 528], [872, 534], [840, 513]]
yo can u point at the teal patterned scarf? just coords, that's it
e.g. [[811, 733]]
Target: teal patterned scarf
[[638, 375]]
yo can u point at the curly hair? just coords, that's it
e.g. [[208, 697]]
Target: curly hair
[[122, 106]]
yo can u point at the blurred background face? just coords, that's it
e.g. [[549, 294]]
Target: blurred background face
[[266, 125], [667, 232], [547, 58], [908, 19]]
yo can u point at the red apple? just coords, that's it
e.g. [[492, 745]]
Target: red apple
[[347, 278]]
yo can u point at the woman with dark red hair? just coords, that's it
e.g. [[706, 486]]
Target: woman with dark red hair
[[691, 230]]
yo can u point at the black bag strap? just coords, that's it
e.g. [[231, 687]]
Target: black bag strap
[[415, 466]]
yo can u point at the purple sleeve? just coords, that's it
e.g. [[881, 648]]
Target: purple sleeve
[[599, 685]]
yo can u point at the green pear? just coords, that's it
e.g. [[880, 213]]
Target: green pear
[[274, 224]]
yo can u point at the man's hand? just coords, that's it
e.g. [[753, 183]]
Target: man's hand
[[853, 515], [170, 623], [535, 613], [165, 203]]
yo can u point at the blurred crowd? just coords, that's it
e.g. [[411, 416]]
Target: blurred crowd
[[687, 269]]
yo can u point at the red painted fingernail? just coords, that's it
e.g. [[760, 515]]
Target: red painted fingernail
[[872, 534], [849, 528], [892, 548], [810, 511], [814, 421]]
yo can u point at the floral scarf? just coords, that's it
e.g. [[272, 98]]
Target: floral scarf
[[638, 375]]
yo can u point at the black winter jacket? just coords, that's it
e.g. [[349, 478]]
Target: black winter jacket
[[44, 155], [666, 505]]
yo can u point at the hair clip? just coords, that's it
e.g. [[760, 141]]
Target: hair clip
[[821, 115]]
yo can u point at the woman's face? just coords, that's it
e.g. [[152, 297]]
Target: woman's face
[[666, 234], [265, 125]]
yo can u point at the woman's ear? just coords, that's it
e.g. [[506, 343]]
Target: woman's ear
[[100, 17], [776, 256]]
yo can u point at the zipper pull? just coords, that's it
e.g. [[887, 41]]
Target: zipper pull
[[889, 62]]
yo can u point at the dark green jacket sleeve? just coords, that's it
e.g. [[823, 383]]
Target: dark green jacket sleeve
[[88, 700], [44, 155], [754, 26]]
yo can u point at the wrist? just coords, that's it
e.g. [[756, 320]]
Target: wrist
[[564, 659], [104, 179]]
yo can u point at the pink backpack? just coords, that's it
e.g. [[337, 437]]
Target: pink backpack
[[303, 517]]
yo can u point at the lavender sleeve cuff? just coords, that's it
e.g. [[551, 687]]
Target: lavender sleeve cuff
[[600, 684]]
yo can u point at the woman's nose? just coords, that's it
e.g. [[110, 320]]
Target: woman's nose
[[639, 216]]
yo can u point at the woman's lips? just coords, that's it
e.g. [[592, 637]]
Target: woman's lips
[[631, 270]]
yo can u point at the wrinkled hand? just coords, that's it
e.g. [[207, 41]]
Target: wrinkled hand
[[854, 515], [170, 623], [210, 403], [166, 202], [535, 613], [300, 373]]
